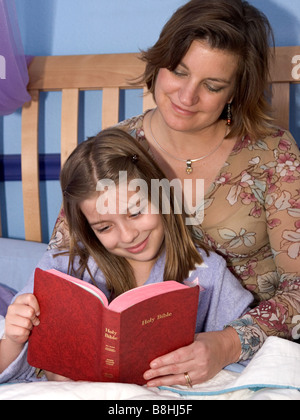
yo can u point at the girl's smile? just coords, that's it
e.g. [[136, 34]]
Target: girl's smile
[[138, 248]]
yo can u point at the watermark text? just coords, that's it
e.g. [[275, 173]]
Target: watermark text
[[2, 67], [185, 197], [296, 68]]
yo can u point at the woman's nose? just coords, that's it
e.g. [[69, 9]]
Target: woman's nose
[[189, 95]]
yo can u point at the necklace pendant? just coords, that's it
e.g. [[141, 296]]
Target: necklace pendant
[[189, 168]]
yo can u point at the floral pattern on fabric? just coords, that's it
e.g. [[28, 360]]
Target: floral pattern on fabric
[[60, 236], [251, 336], [252, 218]]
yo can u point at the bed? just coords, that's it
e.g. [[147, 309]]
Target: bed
[[275, 371], [273, 374]]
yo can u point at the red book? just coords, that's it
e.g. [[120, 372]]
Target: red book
[[83, 337]]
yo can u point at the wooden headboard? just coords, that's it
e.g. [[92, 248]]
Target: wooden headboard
[[109, 73]]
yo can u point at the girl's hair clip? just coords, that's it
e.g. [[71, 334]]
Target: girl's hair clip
[[135, 159]]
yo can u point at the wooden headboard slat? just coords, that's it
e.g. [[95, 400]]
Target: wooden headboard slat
[[30, 171], [69, 122], [110, 106], [281, 104]]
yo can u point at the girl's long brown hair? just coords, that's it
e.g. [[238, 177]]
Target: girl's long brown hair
[[231, 25], [103, 157]]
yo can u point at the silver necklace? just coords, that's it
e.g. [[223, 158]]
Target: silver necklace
[[188, 162]]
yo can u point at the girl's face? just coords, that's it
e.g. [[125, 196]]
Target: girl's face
[[193, 96], [132, 233]]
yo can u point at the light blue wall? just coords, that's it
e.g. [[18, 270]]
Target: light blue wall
[[51, 27], [62, 27], [284, 16]]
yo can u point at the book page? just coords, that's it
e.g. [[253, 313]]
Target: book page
[[83, 284], [139, 294]]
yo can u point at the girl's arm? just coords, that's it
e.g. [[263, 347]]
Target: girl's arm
[[21, 317]]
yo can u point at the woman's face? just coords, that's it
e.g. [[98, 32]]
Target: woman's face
[[193, 96]]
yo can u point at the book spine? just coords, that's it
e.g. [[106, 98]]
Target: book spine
[[111, 346]]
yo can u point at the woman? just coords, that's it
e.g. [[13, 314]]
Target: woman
[[208, 73]]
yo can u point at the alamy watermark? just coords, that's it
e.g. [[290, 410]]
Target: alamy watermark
[[296, 69], [113, 198], [2, 67]]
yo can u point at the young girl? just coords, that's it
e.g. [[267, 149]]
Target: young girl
[[124, 233]]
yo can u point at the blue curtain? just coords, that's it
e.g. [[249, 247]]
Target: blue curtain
[[13, 63]]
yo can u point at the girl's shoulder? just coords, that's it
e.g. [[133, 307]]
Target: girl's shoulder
[[212, 263]]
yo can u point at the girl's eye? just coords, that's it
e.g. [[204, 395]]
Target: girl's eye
[[138, 209], [104, 229], [135, 215]]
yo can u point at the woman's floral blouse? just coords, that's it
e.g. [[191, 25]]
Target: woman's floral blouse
[[252, 218]]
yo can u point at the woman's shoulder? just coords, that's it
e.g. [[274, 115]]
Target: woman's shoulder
[[281, 140], [133, 125], [277, 143]]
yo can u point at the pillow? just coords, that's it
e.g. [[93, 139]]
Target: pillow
[[6, 296], [18, 260]]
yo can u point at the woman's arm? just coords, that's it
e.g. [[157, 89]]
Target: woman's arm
[[280, 315]]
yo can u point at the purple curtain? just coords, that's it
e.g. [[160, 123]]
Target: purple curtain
[[13, 64]]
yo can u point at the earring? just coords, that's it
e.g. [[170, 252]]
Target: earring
[[229, 115]]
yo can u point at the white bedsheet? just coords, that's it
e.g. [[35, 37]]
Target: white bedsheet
[[274, 373]]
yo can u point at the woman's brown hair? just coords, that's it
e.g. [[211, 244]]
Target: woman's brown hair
[[103, 157], [231, 25]]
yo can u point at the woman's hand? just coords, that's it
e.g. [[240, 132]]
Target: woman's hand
[[21, 317], [202, 360]]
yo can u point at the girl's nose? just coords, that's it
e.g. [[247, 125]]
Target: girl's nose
[[189, 95], [128, 233]]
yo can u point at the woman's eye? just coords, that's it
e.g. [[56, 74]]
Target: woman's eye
[[179, 73], [213, 89]]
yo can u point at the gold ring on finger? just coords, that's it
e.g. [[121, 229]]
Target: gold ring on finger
[[188, 380]]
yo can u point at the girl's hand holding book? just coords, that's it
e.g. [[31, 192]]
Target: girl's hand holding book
[[21, 317]]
